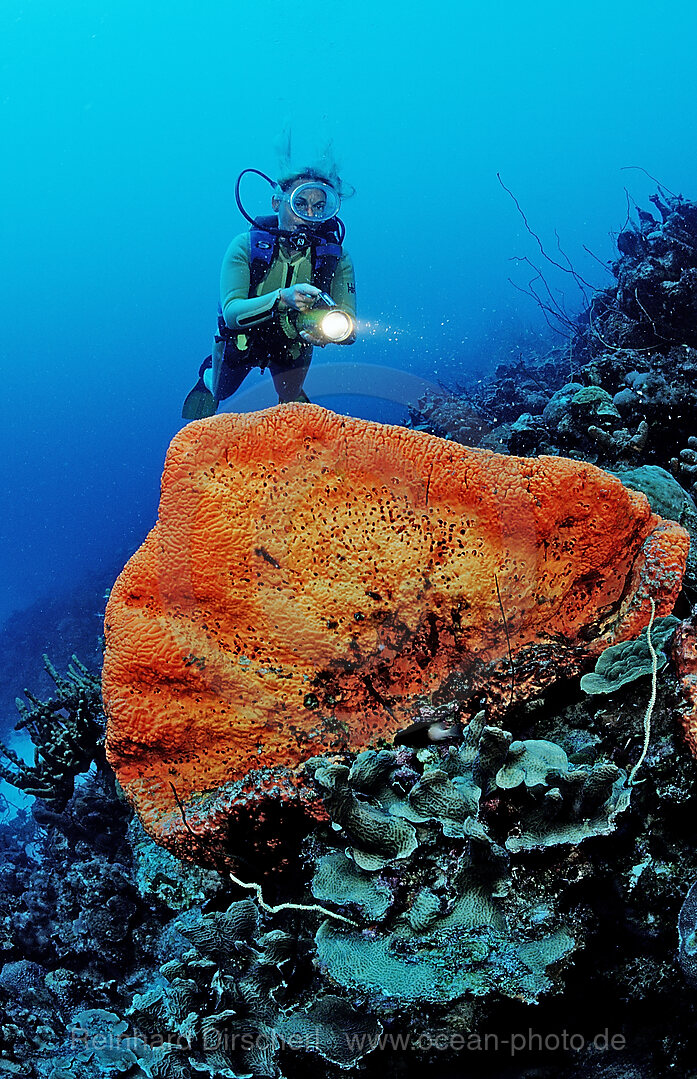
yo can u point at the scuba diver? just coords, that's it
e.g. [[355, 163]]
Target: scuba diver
[[286, 285]]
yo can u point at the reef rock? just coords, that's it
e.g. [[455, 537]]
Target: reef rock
[[668, 499], [684, 654], [687, 929], [313, 579]]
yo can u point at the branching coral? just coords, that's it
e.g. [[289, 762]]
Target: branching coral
[[67, 731]]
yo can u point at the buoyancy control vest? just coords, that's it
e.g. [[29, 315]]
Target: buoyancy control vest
[[264, 240]]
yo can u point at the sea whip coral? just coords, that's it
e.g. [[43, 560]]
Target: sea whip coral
[[313, 578]]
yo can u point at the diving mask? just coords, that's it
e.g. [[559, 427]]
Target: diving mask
[[314, 201]]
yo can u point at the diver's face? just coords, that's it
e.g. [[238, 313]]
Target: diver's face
[[312, 203]]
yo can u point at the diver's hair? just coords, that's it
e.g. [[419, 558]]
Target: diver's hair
[[305, 174]]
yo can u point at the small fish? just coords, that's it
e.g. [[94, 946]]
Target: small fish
[[267, 557]]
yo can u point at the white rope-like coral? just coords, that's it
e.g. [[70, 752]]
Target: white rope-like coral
[[652, 699], [289, 906]]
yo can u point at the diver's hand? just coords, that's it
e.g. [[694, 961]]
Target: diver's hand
[[312, 339], [298, 297]]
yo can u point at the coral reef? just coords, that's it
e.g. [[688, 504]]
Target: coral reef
[[341, 573], [229, 1002], [487, 867], [100, 1045], [684, 466], [433, 840], [76, 932], [653, 303], [74, 928], [628, 370], [484, 872], [623, 391], [451, 417], [620, 409], [668, 499], [156, 872]]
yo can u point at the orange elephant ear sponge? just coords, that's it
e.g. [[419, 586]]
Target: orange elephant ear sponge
[[312, 579]]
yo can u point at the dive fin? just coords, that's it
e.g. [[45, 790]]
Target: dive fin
[[199, 403], [301, 399]]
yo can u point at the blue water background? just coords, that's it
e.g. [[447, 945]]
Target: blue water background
[[124, 126]]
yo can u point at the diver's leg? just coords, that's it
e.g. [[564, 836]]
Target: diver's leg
[[230, 378], [218, 379], [289, 378]]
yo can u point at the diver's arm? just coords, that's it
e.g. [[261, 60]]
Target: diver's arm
[[343, 291], [240, 311]]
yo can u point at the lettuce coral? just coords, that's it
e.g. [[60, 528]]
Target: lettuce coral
[[623, 663], [225, 1008], [459, 915]]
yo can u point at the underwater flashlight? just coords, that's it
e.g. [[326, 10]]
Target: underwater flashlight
[[326, 320], [336, 326]]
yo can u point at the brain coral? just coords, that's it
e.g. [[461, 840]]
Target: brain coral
[[312, 578]]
